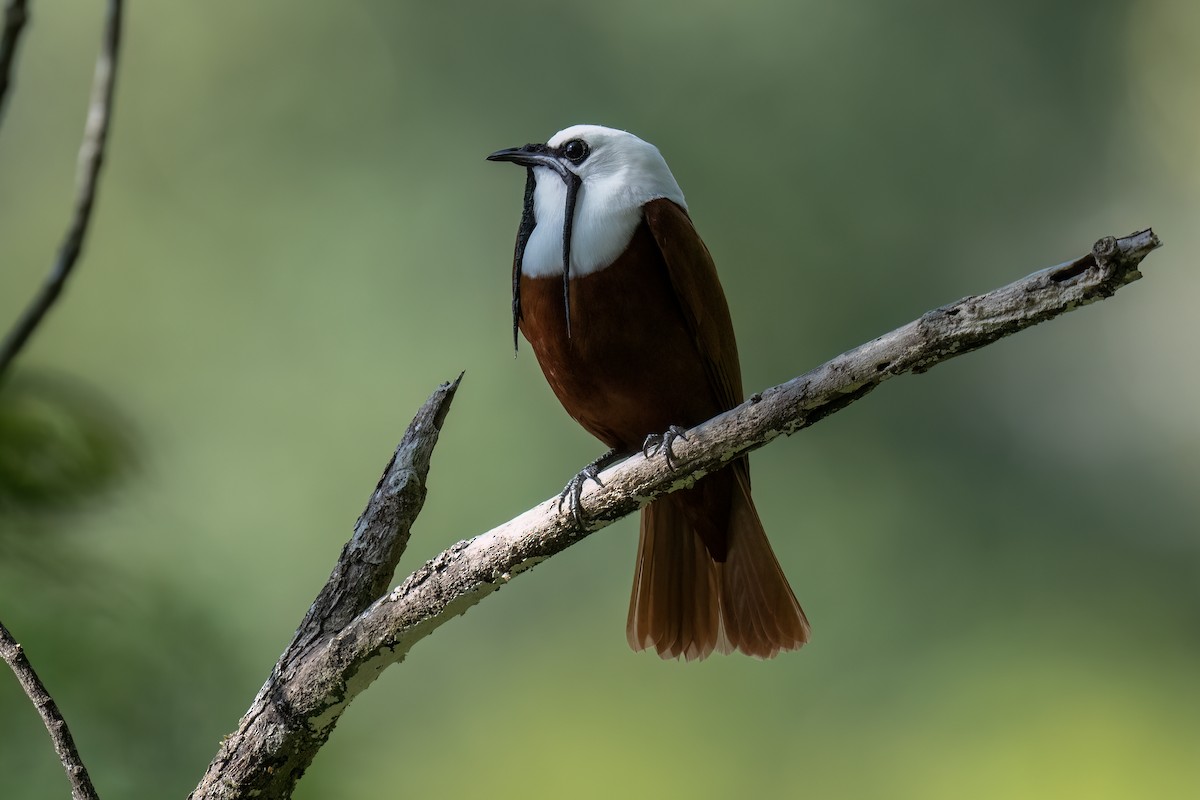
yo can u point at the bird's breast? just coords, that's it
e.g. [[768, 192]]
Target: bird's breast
[[630, 366]]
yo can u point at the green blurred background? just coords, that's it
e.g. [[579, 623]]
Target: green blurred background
[[297, 239]]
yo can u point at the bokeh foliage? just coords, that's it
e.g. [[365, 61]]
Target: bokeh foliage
[[297, 238], [59, 445]]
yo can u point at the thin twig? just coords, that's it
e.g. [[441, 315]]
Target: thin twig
[[293, 716], [15, 16], [12, 652], [91, 156]]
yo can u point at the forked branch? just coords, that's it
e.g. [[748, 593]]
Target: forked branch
[[296, 710]]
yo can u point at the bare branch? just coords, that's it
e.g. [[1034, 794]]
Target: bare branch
[[365, 568], [293, 715], [15, 16], [91, 156], [12, 652], [360, 577]]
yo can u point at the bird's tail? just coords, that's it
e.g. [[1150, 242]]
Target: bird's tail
[[687, 603]]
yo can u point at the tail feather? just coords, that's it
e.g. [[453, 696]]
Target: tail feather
[[686, 603], [675, 608], [763, 615]]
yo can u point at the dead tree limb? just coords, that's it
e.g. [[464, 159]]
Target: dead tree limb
[[327, 666], [91, 156], [360, 577], [35, 690]]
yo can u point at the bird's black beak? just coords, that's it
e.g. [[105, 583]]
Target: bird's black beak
[[531, 155], [540, 155]]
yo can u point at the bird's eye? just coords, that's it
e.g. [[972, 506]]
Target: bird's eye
[[576, 151]]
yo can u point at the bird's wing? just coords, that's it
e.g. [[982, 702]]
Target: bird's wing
[[692, 272]]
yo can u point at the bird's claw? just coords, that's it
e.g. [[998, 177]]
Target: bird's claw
[[663, 442], [573, 491]]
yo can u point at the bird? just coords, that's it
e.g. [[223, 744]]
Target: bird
[[619, 299]]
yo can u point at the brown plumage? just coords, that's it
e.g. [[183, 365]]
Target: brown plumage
[[652, 346]]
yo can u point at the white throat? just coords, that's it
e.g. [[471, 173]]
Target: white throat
[[621, 174]]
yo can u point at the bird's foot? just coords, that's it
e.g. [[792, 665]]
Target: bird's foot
[[662, 443], [573, 491]]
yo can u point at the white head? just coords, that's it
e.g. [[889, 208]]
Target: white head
[[615, 172]]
